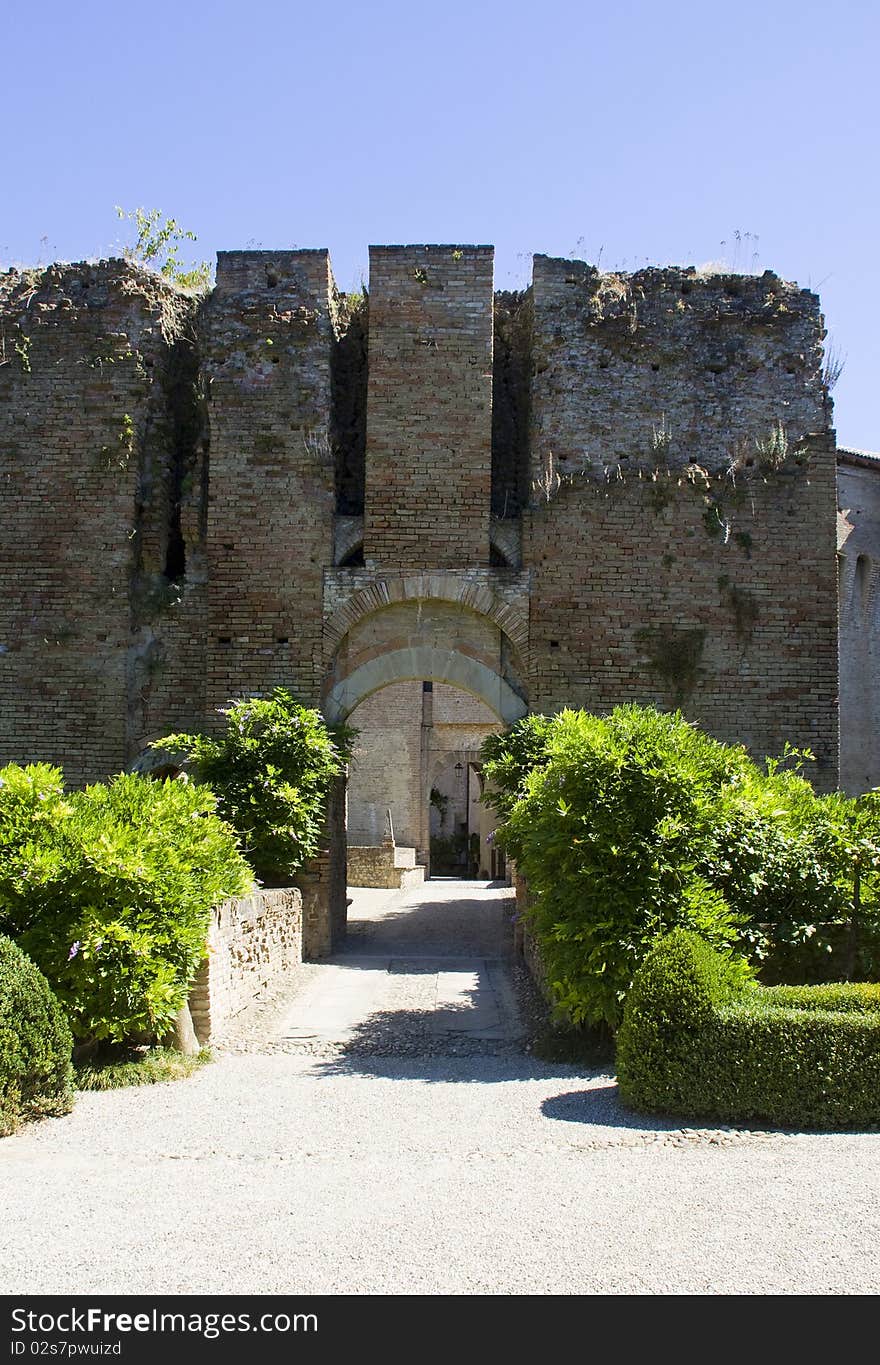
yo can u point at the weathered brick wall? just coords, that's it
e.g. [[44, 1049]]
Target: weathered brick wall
[[267, 342], [714, 362], [170, 476], [169, 598], [859, 573], [254, 942], [672, 564], [429, 407], [83, 438]]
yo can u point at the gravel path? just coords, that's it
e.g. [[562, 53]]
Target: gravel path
[[352, 1170]]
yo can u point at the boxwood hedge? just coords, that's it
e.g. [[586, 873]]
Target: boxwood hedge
[[696, 1041], [36, 1077]]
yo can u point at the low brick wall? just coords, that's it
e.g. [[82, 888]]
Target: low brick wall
[[523, 942], [372, 865], [383, 865], [253, 941]]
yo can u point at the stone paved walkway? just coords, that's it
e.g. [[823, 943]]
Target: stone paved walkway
[[423, 971], [415, 966]]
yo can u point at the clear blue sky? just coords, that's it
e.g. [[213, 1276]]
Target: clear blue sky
[[625, 133]]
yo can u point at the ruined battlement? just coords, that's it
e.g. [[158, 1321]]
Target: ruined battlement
[[629, 477]]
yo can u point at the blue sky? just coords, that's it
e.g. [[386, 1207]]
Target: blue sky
[[624, 133]]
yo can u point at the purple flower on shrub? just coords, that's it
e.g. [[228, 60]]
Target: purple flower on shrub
[[74, 949]]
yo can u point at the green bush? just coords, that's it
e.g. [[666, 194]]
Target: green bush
[[36, 1076], [510, 757], [271, 770], [631, 824], [798, 868], [110, 891], [602, 831], [696, 1041]]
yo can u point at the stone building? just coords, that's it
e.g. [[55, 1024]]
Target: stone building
[[606, 487], [858, 540]]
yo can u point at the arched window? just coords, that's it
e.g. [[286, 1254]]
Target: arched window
[[862, 586]]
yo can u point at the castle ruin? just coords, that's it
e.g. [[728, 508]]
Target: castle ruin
[[471, 504]]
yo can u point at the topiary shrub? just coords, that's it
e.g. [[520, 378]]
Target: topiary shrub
[[110, 891], [36, 1076], [698, 1041], [271, 770]]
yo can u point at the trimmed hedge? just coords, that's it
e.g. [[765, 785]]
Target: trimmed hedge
[[696, 1042], [36, 1076]]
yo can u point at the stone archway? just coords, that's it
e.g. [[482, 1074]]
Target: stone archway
[[424, 662], [351, 597], [411, 634]]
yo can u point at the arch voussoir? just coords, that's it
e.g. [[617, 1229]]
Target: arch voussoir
[[419, 662], [422, 587]]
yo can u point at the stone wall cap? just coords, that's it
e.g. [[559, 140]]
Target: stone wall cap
[[278, 253], [853, 455], [433, 246]]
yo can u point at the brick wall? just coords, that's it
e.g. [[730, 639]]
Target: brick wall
[[268, 339], [170, 474], [429, 407], [386, 767], [82, 440], [671, 563], [859, 569]]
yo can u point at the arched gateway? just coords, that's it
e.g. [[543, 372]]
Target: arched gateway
[[424, 667]]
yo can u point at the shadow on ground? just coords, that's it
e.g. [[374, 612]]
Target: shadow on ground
[[460, 926], [420, 1044], [600, 1106]]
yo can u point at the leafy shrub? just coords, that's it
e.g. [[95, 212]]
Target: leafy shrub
[[630, 824], [110, 891], [602, 832], [270, 770], [854, 997], [510, 757], [449, 853], [801, 869], [35, 1043], [695, 1041]]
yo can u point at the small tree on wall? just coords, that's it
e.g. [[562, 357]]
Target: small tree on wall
[[271, 771], [157, 245]]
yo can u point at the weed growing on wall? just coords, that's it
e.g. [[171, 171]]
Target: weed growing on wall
[[157, 245]]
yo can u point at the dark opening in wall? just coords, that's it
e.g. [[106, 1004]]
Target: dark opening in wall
[[188, 444], [349, 391], [862, 584], [354, 559], [510, 392]]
